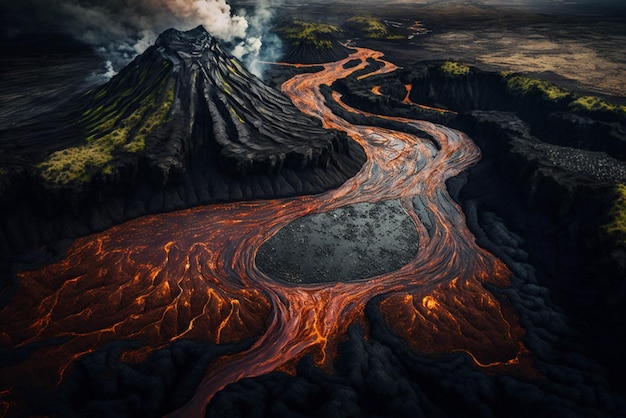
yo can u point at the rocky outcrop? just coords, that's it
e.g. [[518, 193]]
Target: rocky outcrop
[[184, 124], [311, 43]]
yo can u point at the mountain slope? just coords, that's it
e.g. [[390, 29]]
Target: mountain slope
[[186, 82]]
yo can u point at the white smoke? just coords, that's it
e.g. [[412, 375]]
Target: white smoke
[[249, 47], [261, 44], [121, 29]]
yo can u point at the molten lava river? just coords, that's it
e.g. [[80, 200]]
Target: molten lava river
[[192, 274]]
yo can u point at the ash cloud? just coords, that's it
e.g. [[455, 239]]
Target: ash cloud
[[121, 29]]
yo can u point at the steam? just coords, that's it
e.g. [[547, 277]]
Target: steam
[[121, 29], [260, 44]]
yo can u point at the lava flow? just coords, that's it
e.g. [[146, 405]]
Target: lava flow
[[407, 100], [192, 274]]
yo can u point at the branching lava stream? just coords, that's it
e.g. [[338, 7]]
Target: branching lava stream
[[192, 274]]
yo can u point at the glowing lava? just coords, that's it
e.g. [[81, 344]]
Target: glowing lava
[[191, 274], [408, 100]]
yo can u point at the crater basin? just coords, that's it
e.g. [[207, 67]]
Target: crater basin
[[353, 242]]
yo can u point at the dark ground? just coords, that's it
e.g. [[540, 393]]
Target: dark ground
[[41, 73]]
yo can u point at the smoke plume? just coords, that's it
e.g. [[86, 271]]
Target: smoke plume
[[121, 29], [261, 44]]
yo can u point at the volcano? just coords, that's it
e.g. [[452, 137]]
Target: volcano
[[187, 86], [183, 124]]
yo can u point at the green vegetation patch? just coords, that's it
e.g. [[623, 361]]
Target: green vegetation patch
[[524, 84], [76, 164], [317, 35], [371, 28], [617, 226], [113, 122], [593, 103], [454, 69]]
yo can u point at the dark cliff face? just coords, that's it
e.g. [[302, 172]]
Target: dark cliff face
[[183, 124]]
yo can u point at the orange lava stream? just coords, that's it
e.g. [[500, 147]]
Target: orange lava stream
[[408, 101], [191, 274], [376, 90]]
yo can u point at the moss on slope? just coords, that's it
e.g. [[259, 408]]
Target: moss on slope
[[593, 103], [317, 35], [454, 69], [523, 84], [617, 225], [370, 27]]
